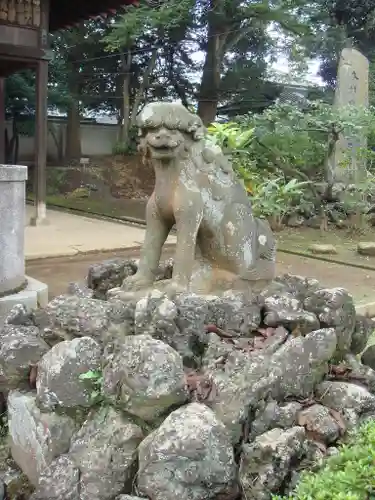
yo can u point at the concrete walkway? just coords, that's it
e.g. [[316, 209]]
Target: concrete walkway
[[68, 234]]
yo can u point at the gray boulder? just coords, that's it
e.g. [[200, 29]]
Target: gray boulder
[[21, 347], [59, 481], [20, 316], [79, 290], [129, 497], [145, 377], [266, 462], [245, 379], [335, 308], [272, 414], [302, 362], [156, 315], [105, 451], [109, 274], [299, 287], [286, 310], [189, 457], [14, 483], [368, 357], [181, 323], [343, 396], [58, 381], [360, 372], [318, 419], [234, 314], [36, 438], [68, 316], [101, 462], [364, 327], [191, 320]]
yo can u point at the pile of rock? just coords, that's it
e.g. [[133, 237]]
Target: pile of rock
[[196, 398], [341, 203]]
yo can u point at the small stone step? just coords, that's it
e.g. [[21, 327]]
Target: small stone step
[[323, 249], [366, 248]]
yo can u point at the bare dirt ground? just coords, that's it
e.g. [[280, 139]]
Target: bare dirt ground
[[59, 272], [344, 240], [294, 239]]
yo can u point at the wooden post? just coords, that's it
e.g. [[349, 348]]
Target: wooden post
[[2, 120], [40, 213], [41, 130]]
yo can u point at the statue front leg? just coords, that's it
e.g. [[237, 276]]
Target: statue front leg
[[187, 224], [157, 231]]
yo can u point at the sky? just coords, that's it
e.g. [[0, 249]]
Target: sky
[[282, 67]]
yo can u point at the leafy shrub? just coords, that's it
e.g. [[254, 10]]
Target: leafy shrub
[[282, 153], [273, 197], [276, 198], [128, 147], [349, 475]]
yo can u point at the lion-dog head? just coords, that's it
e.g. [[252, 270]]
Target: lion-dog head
[[167, 131]]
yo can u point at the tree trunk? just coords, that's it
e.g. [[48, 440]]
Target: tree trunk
[[208, 96], [143, 86], [58, 138], [73, 129], [125, 108]]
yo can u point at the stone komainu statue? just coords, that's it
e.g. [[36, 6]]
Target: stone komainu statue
[[220, 244]]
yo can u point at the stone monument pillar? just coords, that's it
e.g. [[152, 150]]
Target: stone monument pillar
[[351, 89], [15, 287]]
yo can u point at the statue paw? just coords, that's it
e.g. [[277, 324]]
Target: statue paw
[[118, 294], [136, 282], [175, 288]]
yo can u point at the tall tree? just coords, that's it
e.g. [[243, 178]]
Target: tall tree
[[336, 24], [20, 93], [154, 32], [231, 35], [227, 25]]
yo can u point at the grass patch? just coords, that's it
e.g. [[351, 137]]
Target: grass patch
[[109, 208], [350, 475]]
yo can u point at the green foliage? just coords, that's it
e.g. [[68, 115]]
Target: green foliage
[[350, 475], [282, 152], [128, 147], [122, 148], [358, 198], [81, 192], [94, 380], [273, 197], [277, 198], [230, 136], [137, 19]]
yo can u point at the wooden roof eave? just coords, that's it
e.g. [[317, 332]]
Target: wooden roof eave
[[64, 15]]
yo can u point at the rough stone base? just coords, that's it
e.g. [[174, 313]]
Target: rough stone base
[[34, 295]]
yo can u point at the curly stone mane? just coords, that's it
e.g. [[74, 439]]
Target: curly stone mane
[[174, 116]]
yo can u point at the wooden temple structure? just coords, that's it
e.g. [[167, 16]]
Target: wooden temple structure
[[24, 27]]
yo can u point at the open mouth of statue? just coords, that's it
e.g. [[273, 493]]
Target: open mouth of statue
[[162, 149]]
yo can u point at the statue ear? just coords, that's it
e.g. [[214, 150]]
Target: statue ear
[[199, 133], [196, 129]]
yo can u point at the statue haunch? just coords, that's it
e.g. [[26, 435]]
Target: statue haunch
[[220, 244]]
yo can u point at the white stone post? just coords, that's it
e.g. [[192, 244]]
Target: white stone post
[[12, 228], [15, 287]]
